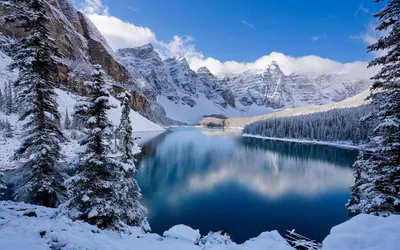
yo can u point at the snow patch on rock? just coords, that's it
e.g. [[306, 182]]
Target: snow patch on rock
[[183, 232]]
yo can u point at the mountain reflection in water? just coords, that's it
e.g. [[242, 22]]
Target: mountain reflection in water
[[195, 176]]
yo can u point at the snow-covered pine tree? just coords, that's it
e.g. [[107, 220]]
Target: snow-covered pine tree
[[6, 105], [8, 132], [129, 194], [10, 103], [124, 130], [95, 187], [353, 205], [1, 100], [2, 183], [67, 121], [382, 190], [41, 177]]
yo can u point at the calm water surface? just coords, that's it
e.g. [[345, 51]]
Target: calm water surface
[[214, 179]]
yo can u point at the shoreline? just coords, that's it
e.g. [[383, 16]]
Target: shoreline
[[334, 144]]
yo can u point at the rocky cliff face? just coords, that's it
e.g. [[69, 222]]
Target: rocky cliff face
[[271, 87], [172, 78], [162, 88], [80, 42]]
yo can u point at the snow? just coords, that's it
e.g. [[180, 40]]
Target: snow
[[355, 101], [67, 101], [365, 232], [203, 107], [93, 213], [142, 127], [338, 144], [48, 231], [183, 232]]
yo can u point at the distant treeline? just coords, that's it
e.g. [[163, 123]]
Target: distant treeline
[[333, 125]]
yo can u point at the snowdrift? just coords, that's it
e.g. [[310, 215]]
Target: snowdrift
[[24, 226]]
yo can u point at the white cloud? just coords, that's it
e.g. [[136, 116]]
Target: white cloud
[[371, 36], [309, 65], [131, 8], [361, 9], [178, 47], [94, 6], [121, 34], [246, 23], [315, 38]]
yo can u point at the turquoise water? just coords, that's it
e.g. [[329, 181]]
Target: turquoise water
[[214, 179]]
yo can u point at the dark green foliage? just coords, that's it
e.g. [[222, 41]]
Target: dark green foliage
[[332, 125], [382, 186], [41, 181]]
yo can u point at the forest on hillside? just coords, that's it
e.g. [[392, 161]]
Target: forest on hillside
[[347, 124]]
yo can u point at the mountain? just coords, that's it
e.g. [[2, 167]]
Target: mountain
[[188, 96], [271, 87], [172, 78], [169, 91], [82, 45], [350, 103]]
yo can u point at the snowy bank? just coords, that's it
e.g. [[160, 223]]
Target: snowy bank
[[338, 144], [67, 101], [24, 226], [31, 227], [365, 232], [144, 129]]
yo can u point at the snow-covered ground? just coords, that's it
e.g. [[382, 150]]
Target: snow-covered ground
[[204, 106], [338, 144], [241, 122], [45, 230], [142, 127], [66, 101]]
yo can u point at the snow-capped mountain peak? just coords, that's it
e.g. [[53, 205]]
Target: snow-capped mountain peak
[[256, 91], [273, 66]]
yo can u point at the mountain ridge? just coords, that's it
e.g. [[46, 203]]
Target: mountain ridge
[[242, 94]]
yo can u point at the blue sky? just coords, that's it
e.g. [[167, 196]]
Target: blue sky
[[245, 30], [230, 36]]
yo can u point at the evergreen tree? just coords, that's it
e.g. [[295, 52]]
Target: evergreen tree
[[41, 177], [1, 100], [352, 205], [67, 122], [8, 133], [10, 103], [96, 184], [129, 194], [2, 184], [331, 125], [382, 189], [6, 105]]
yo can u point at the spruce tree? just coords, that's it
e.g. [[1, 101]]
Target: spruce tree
[[382, 188], [41, 177], [95, 187], [67, 122], [2, 183], [1, 100], [6, 105], [353, 205], [10, 103], [8, 132], [129, 194]]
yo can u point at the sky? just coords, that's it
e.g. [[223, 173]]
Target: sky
[[231, 36]]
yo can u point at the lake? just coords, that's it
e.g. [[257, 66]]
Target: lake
[[215, 179]]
